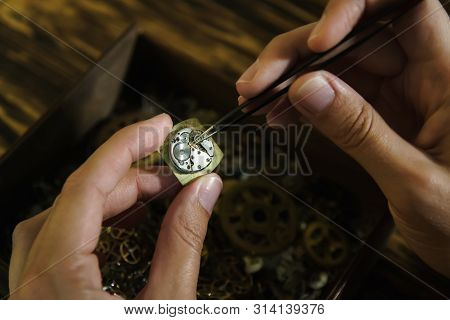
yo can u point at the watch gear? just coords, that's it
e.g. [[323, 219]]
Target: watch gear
[[257, 217], [326, 245]]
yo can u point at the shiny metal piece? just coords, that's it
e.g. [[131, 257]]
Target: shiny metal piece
[[318, 280], [187, 159], [130, 251], [253, 264], [187, 155]]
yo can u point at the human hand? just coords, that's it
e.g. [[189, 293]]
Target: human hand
[[53, 252], [389, 110]]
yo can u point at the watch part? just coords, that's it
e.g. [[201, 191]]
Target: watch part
[[326, 245], [257, 217], [189, 160], [187, 156]]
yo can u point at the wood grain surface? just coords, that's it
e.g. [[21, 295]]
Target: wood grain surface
[[46, 46]]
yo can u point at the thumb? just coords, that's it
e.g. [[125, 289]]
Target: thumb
[[176, 260], [343, 116]]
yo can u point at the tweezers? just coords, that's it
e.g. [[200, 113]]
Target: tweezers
[[361, 34]]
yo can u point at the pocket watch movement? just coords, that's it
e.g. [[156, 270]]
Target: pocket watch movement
[[188, 158]]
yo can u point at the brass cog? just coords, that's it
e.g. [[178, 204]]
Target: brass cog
[[257, 217]]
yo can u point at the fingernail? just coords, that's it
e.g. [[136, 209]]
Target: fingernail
[[315, 95], [249, 74], [240, 100], [209, 192]]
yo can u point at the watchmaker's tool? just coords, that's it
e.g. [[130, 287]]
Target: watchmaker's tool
[[362, 33]]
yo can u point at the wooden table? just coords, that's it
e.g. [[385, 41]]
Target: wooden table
[[46, 46]]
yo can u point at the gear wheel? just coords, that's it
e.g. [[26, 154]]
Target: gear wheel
[[258, 218], [327, 246]]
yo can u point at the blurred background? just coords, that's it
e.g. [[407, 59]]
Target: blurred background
[[61, 96]]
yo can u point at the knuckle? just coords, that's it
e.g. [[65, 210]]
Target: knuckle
[[73, 182], [21, 231], [357, 128], [351, 12], [74, 269], [277, 40], [424, 202], [189, 232], [77, 184], [140, 185], [423, 192], [425, 183]]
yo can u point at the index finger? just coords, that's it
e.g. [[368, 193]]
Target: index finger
[[277, 57], [427, 23], [75, 220], [338, 19]]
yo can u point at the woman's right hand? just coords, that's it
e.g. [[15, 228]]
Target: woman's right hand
[[389, 110]]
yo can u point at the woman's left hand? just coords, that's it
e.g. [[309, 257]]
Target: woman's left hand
[[53, 252]]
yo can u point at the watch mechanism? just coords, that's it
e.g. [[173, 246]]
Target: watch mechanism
[[188, 158]]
